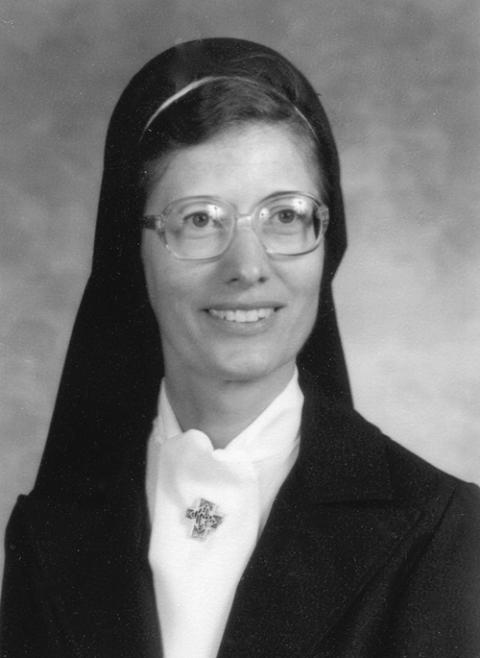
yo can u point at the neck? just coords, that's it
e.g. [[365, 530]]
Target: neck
[[222, 408]]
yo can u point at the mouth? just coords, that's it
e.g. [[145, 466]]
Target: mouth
[[243, 316]]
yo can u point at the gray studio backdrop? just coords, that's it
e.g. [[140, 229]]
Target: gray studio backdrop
[[401, 83]]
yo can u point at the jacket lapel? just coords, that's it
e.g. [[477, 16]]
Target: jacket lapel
[[333, 526], [95, 578]]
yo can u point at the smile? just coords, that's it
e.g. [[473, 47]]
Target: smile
[[241, 315]]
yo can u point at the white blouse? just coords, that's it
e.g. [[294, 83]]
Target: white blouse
[[208, 507]]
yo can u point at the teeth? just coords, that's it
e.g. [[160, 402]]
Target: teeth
[[253, 315]]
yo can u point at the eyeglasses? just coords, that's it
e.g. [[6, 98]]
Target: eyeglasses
[[202, 227]]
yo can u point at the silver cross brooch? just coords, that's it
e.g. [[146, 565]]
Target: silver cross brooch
[[205, 517]]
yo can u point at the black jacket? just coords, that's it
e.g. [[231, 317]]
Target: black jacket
[[368, 551]]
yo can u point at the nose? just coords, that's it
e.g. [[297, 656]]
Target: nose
[[245, 262]]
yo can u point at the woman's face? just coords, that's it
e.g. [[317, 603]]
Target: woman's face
[[202, 308]]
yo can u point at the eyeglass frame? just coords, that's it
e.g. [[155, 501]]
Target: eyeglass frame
[[151, 221]]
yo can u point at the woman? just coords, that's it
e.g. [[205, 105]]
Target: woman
[[261, 516]]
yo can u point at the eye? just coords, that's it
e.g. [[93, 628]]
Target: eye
[[286, 216], [198, 219]]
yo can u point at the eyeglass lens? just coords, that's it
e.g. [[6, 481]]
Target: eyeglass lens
[[203, 228]]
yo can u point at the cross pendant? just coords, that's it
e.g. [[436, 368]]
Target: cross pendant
[[205, 518]]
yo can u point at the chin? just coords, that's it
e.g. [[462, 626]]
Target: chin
[[250, 367]]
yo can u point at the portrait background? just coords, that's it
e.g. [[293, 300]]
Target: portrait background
[[401, 84]]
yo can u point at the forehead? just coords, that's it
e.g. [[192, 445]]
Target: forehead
[[243, 165]]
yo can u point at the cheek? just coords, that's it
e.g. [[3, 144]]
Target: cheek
[[306, 291], [171, 291], [159, 279], [306, 285], [308, 307]]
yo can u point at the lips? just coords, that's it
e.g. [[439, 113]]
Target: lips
[[242, 315]]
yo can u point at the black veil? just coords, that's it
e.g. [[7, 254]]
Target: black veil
[[109, 387]]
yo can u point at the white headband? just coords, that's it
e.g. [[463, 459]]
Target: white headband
[[200, 82], [178, 94]]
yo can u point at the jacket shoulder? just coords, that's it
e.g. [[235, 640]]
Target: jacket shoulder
[[414, 480]]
